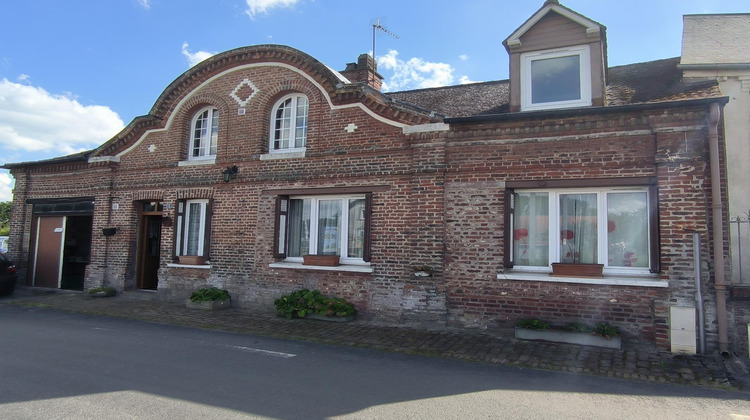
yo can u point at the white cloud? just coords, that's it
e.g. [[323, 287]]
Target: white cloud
[[5, 187], [414, 73], [34, 120], [23, 78], [255, 7], [464, 80], [196, 57], [146, 4], [463, 57]]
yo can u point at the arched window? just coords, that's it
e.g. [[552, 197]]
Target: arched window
[[289, 124], [204, 133]]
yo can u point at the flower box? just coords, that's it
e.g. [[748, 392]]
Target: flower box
[[560, 336], [210, 305], [577, 270], [321, 260], [192, 260]]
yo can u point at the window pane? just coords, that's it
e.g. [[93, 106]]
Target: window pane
[[356, 228], [200, 134], [214, 132], [627, 229], [301, 123], [578, 228], [556, 79], [299, 228], [282, 124], [193, 234], [531, 233], [329, 227]]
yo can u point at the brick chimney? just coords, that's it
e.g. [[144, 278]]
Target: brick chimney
[[365, 70]]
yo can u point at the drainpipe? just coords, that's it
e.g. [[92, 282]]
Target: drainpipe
[[717, 216], [698, 292]]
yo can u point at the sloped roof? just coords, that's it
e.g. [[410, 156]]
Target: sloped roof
[[653, 81]]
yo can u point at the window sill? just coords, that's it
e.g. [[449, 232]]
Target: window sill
[[196, 162], [295, 154], [607, 280], [344, 268], [204, 266]]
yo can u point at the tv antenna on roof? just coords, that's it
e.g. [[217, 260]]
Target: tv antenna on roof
[[378, 27]]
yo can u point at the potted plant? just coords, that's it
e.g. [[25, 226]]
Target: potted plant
[[209, 298], [602, 335], [192, 259], [312, 304], [323, 259], [571, 265]]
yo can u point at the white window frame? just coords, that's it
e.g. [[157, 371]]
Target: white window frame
[[293, 127], [582, 51], [343, 234], [183, 221], [207, 143], [603, 248]]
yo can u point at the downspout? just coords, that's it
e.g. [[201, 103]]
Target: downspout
[[717, 218]]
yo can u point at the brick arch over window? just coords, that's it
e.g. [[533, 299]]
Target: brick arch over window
[[182, 124], [271, 96]]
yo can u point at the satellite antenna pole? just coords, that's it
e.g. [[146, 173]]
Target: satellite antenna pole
[[378, 27]]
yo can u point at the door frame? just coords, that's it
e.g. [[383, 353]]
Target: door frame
[[141, 248]]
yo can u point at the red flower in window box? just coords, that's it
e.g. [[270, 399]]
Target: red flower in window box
[[519, 234]]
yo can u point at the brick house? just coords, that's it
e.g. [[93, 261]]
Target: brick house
[[260, 155]]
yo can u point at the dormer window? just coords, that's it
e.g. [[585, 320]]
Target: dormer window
[[558, 78]]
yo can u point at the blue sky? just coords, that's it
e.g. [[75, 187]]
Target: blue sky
[[74, 73]]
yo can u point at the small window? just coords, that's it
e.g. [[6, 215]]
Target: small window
[[289, 124], [323, 225], [555, 79], [192, 227], [614, 227], [204, 134]]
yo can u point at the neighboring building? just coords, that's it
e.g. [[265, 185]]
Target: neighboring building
[[717, 47], [260, 155]]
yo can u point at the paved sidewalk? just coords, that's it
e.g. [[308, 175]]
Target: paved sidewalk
[[638, 362]]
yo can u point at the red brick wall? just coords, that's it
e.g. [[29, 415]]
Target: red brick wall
[[438, 201]]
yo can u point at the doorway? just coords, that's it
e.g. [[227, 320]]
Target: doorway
[[149, 245], [62, 251]]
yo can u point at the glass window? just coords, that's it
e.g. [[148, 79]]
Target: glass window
[[323, 226], [192, 227], [604, 226], [289, 123], [555, 79], [205, 134]]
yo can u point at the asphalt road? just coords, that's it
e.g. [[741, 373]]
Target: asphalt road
[[64, 365]]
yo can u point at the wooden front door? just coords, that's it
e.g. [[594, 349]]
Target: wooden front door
[[50, 234], [149, 251]]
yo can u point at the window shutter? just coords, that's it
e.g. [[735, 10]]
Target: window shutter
[[280, 226], [509, 223], [653, 227], [367, 253], [207, 230], [179, 218]]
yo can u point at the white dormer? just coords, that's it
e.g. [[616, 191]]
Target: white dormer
[[557, 60]]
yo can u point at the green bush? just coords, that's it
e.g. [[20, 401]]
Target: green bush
[[209, 294], [533, 324], [606, 330], [302, 302], [579, 327]]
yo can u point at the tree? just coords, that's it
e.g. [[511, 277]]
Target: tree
[[5, 218]]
